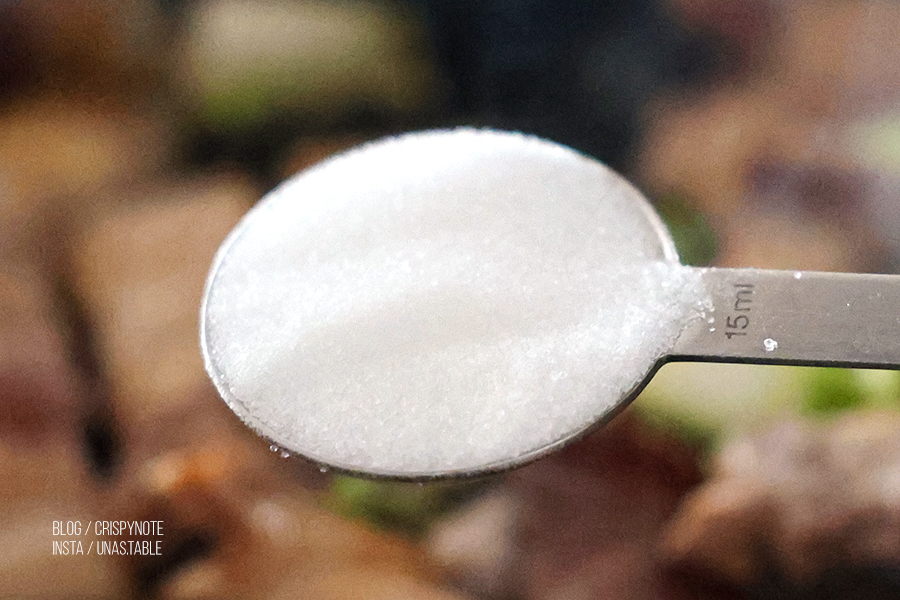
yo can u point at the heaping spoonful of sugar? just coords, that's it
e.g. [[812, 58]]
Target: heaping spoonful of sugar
[[458, 302]]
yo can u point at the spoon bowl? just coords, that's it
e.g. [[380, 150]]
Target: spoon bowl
[[458, 302], [441, 303]]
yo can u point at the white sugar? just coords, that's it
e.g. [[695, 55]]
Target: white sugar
[[441, 302]]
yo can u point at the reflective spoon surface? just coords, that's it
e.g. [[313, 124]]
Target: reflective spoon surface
[[458, 302]]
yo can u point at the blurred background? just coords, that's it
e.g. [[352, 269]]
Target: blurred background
[[135, 133]]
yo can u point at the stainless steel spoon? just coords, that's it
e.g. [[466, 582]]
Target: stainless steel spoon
[[341, 313]]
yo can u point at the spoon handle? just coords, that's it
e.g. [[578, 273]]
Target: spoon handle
[[796, 318]]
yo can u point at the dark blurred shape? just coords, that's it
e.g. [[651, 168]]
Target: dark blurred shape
[[94, 48], [742, 28], [581, 523], [872, 582], [818, 188], [102, 444], [15, 65], [100, 439], [42, 399], [798, 512], [575, 71]]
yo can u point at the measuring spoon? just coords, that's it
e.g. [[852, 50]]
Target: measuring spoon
[[459, 302]]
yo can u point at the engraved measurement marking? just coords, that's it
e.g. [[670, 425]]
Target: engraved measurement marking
[[735, 324]]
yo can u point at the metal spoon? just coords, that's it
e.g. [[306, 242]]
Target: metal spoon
[[425, 307]]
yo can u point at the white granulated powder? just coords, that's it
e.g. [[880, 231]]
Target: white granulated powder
[[445, 301]]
